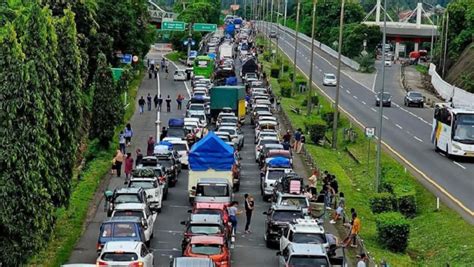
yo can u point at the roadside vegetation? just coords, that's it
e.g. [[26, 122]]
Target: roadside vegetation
[[176, 56], [405, 207], [61, 106]]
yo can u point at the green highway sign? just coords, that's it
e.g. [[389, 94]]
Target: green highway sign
[[204, 27], [173, 26]]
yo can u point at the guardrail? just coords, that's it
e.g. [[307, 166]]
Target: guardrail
[[448, 91]]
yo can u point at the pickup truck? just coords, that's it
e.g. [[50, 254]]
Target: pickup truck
[[207, 177]]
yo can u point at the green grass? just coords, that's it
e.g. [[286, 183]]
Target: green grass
[[436, 237], [176, 56], [70, 221], [422, 69]]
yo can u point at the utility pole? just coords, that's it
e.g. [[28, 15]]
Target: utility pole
[[245, 9], [278, 26], [296, 42], [310, 83], [338, 81], [190, 38], [379, 141], [286, 10], [445, 43], [271, 27]]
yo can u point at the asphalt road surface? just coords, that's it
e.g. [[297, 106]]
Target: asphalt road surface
[[406, 130]]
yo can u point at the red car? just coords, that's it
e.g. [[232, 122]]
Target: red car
[[213, 247], [204, 224], [211, 208]]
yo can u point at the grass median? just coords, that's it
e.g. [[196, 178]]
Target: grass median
[[437, 238], [70, 221]]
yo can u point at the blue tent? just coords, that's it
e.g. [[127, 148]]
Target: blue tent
[[279, 162], [175, 122], [231, 81], [211, 153]]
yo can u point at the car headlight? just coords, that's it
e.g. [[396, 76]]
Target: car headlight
[[456, 146]]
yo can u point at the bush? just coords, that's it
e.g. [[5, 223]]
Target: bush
[[328, 117], [407, 205], [316, 132], [267, 55], [383, 202], [393, 231], [286, 67], [286, 90], [284, 78], [301, 80], [315, 100], [275, 71]]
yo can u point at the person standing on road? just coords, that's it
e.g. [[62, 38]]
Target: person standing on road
[[164, 133], [362, 262], [302, 141], [122, 142], [118, 162], [139, 157], [313, 182], [148, 101], [233, 212], [150, 146], [168, 104], [128, 166], [163, 63], [297, 139], [160, 102], [179, 101], [355, 229], [156, 69], [141, 104], [167, 72], [249, 206], [128, 134], [155, 101]]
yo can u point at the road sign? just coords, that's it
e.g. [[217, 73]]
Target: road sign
[[173, 26], [126, 59], [204, 27], [135, 59], [370, 132]]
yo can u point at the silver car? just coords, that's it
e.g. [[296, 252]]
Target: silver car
[[329, 79]]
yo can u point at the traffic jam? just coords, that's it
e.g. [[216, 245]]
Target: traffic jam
[[203, 150]]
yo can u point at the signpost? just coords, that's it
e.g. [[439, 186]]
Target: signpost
[[204, 27], [126, 59], [369, 133], [173, 26]]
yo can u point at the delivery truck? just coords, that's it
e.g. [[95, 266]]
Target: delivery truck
[[232, 97]]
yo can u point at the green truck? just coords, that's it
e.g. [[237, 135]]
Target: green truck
[[228, 96]]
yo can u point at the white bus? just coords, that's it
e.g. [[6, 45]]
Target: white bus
[[453, 130]]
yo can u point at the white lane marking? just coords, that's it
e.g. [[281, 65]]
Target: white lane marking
[[355, 97], [349, 92], [375, 79], [459, 165], [417, 138], [363, 102], [373, 109], [399, 126], [396, 105], [385, 117], [442, 154]]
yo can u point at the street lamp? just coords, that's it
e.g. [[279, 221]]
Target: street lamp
[[379, 141], [296, 41], [310, 84], [338, 81]]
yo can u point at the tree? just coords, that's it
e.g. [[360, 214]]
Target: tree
[[107, 109], [26, 217], [70, 82]]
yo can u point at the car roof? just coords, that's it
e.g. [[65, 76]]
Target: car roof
[[221, 133], [307, 249], [267, 122], [228, 127], [329, 74], [269, 138], [203, 239], [126, 246], [205, 218], [210, 205], [130, 206], [286, 207], [278, 152], [128, 190], [123, 219]]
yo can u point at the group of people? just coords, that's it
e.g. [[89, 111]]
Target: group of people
[[158, 101], [233, 211], [298, 139], [154, 68]]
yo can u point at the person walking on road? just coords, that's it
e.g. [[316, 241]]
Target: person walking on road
[[160, 102], [122, 142], [355, 229], [313, 182], [128, 166], [150, 146], [128, 134], [302, 141], [167, 72], [164, 133], [168, 104], [233, 212], [179, 101], [148, 101], [155, 101], [249, 206], [156, 69], [118, 160], [141, 104], [163, 63], [297, 140], [138, 157]]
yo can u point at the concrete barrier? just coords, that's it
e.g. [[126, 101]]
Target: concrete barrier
[[447, 91]]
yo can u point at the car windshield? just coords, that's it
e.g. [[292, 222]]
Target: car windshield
[[180, 147], [131, 213], [119, 256], [330, 76], [205, 229], [275, 174], [251, 75], [226, 138], [143, 172], [206, 249], [229, 119], [208, 211], [308, 238], [228, 130], [124, 230], [386, 96], [261, 108], [415, 94], [212, 190], [295, 201], [196, 107], [127, 198], [176, 132], [268, 141], [464, 128], [286, 215], [308, 261], [165, 162], [143, 184], [200, 117]]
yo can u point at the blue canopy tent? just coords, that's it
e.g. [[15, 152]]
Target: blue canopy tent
[[231, 81], [279, 162], [211, 153]]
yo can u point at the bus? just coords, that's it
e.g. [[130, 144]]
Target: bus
[[203, 66], [453, 130]]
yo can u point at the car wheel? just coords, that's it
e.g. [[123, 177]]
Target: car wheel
[[165, 195], [447, 152], [436, 146], [389, 105], [268, 243], [422, 105], [158, 210]]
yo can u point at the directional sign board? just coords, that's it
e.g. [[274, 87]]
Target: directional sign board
[[126, 59], [369, 132], [173, 26], [204, 27]]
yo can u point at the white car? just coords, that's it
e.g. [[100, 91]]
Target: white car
[[145, 177], [179, 75], [268, 180], [388, 62], [181, 146], [141, 211], [265, 133], [329, 79], [263, 141], [125, 253]]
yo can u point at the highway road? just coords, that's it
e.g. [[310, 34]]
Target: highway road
[[406, 130]]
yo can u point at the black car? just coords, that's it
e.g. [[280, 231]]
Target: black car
[[171, 167], [386, 99], [278, 218], [413, 98]]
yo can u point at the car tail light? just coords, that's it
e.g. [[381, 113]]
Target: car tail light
[[136, 264], [102, 263], [99, 246]]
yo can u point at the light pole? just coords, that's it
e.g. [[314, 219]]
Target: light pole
[[338, 81], [379, 141], [310, 83], [445, 42], [296, 41], [286, 10], [278, 27], [271, 27]]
